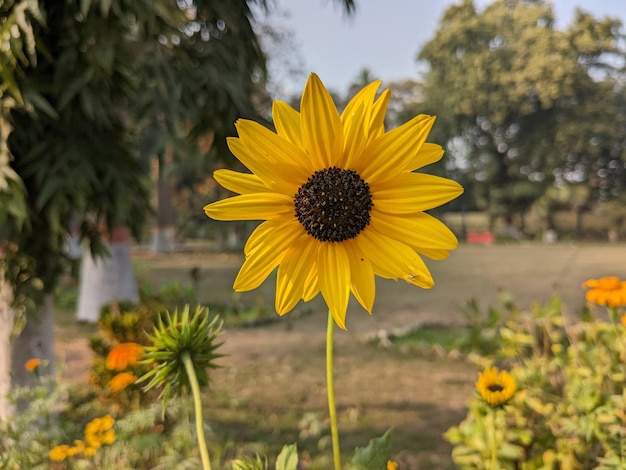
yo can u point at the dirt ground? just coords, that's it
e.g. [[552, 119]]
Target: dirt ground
[[273, 376]]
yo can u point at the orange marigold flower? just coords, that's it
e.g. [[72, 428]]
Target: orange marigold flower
[[32, 364], [123, 355], [391, 465], [607, 291], [121, 381]]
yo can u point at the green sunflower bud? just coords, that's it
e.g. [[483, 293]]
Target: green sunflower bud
[[182, 345]]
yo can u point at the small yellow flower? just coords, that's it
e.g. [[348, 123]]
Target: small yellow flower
[[123, 355], [32, 364], [99, 432], [496, 387], [340, 199], [607, 291], [121, 381], [59, 453], [77, 448], [391, 465], [89, 451]]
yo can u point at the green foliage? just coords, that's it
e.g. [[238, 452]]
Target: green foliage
[[27, 437], [524, 105], [569, 409], [288, 458], [173, 336], [250, 463], [373, 457]]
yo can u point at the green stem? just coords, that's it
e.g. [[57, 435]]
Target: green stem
[[331, 392], [197, 403], [492, 439]]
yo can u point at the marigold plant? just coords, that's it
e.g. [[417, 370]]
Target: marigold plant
[[607, 291], [121, 381], [124, 355], [32, 364]]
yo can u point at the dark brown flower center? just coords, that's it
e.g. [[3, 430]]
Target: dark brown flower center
[[495, 387], [334, 205]]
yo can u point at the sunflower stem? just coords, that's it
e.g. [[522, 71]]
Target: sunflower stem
[[493, 440], [330, 385], [197, 403]]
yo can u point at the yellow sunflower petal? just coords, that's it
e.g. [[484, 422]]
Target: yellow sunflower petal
[[393, 259], [429, 153], [288, 160], [356, 119], [292, 275], [384, 157], [269, 228], [354, 136], [365, 96], [433, 253], [264, 258], [413, 192], [322, 133], [362, 282], [418, 230], [242, 183], [377, 122], [311, 287], [333, 266], [287, 122], [257, 206], [264, 172]]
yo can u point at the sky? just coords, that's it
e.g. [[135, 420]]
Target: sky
[[384, 35]]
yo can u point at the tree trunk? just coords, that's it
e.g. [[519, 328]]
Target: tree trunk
[[36, 340], [6, 326], [164, 231], [105, 279]]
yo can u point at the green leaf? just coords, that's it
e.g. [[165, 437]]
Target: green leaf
[[288, 458], [375, 456]]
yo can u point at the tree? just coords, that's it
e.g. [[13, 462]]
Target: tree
[[514, 96], [102, 74], [87, 88]]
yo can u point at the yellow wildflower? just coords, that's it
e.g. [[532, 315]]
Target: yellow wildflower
[[496, 388], [59, 453], [340, 198]]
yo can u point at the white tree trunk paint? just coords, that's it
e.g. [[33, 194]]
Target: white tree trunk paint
[[106, 279]]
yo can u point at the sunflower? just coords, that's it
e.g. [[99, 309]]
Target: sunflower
[[123, 355], [339, 198], [496, 388], [607, 291]]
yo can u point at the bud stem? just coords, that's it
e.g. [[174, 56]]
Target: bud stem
[[197, 403]]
